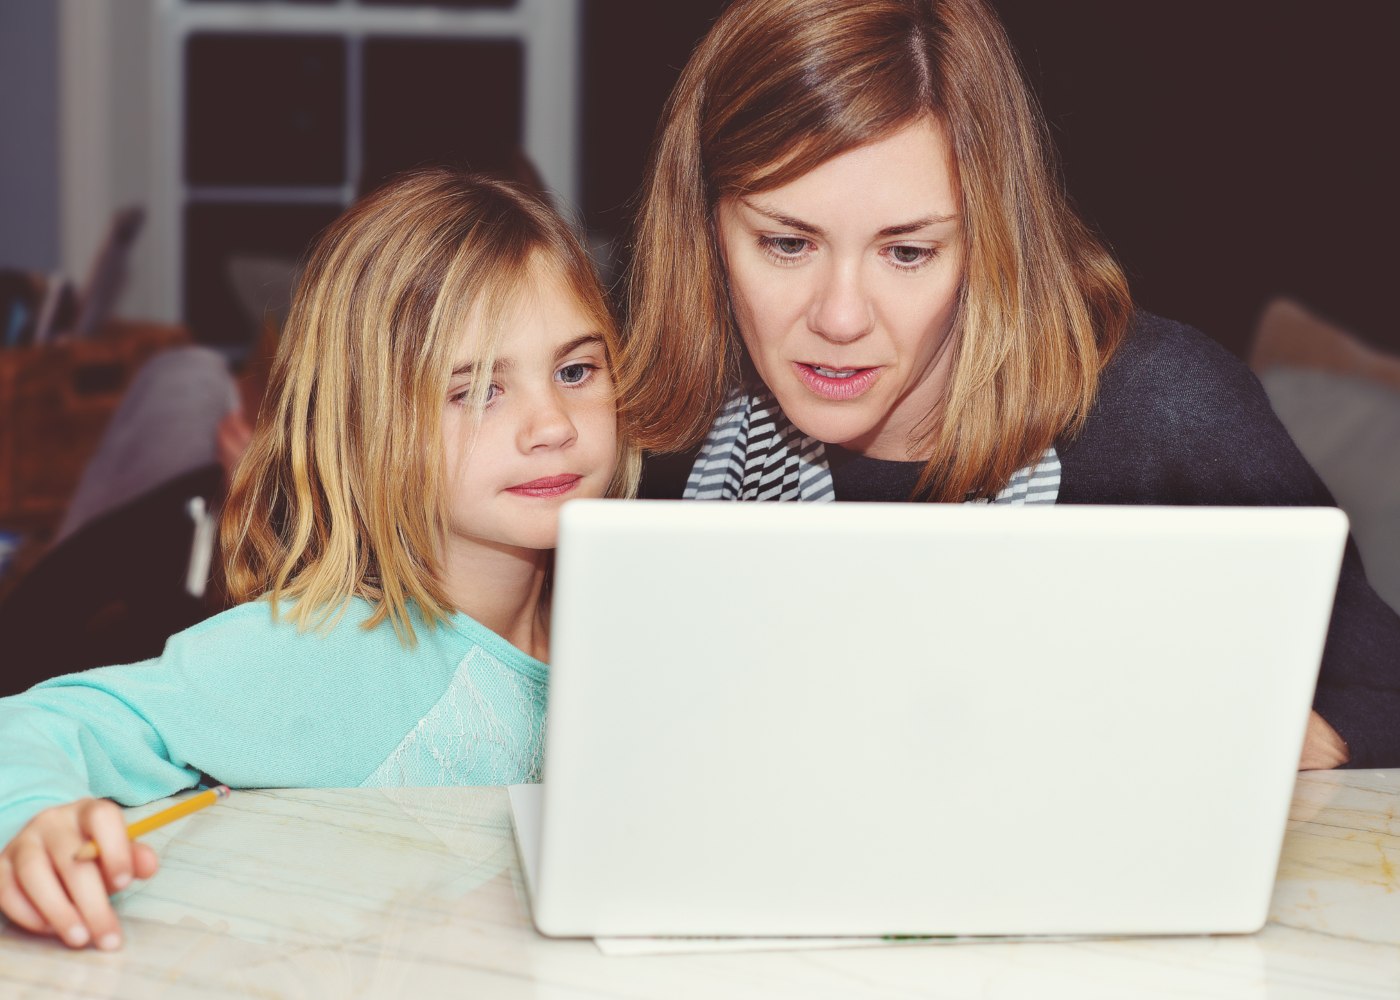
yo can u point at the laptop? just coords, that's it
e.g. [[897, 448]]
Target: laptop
[[902, 719]]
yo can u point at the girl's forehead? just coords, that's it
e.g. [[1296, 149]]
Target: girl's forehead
[[532, 319]]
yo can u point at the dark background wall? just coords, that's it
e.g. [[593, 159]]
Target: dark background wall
[[1228, 151]]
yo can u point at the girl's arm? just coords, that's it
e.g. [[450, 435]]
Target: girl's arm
[[89, 734], [61, 741]]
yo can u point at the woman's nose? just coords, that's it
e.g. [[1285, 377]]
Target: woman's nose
[[841, 311]]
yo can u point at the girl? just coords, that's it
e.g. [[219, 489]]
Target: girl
[[443, 386], [856, 277]]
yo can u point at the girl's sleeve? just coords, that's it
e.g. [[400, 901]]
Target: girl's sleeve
[[88, 734], [241, 698], [246, 700]]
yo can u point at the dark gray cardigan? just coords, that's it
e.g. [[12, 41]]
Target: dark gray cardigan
[[1180, 421]]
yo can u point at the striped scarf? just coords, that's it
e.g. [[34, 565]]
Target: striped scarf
[[753, 452]]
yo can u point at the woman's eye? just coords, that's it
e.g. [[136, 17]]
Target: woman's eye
[[785, 247], [906, 256], [575, 373]]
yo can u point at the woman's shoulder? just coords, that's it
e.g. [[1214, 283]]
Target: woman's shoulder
[[1178, 418], [1164, 364]]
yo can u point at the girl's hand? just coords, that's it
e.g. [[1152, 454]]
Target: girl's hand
[[44, 890]]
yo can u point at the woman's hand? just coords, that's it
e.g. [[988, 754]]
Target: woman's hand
[[1323, 747], [45, 890]]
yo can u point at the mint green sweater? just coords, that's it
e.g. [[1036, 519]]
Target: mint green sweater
[[254, 703]]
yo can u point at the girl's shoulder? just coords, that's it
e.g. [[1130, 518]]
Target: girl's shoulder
[[260, 631], [263, 617], [336, 636]]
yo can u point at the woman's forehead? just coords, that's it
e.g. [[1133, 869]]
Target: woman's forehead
[[901, 177]]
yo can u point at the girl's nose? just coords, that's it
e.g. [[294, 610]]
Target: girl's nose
[[841, 311], [548, 425]]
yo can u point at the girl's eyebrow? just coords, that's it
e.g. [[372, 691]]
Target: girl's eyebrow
[[589, 339], [902, 229], [505, 364]]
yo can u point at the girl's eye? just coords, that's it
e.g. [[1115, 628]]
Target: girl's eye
[[463, 396], [911, 257], [576, 373]]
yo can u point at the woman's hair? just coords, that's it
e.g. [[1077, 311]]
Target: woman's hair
[[779, 87], [341, 490]]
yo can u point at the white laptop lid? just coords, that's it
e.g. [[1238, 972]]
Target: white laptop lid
[[861, 719]]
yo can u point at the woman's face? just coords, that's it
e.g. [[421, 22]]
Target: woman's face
[[845, 282]]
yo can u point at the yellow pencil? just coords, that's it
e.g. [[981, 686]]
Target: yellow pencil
[[157, 820]]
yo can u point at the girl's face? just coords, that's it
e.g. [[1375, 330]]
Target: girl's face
[[845, 283], [549, 430]]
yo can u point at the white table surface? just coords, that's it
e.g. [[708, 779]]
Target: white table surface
[[417, 893]]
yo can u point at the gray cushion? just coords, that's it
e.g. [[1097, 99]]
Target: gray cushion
[[1348, 428]]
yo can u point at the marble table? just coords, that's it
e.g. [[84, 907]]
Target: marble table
[[417, 893]]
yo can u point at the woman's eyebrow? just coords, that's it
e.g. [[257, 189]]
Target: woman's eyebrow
[[905, 228], [901, 229], [785, 221]]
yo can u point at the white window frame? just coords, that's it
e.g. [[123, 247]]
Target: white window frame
[[122, 112]]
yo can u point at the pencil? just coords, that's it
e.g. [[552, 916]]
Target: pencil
[[155, 821]]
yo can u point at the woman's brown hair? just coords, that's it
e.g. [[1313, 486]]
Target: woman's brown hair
[[340, 492], [778, 87]]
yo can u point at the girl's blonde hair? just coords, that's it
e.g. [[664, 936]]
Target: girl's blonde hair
[[340, 493], [779, 87]]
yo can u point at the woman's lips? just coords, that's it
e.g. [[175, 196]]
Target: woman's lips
[[549, 486], [836, 383]]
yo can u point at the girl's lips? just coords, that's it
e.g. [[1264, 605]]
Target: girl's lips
[[836, 388], [549, 486]]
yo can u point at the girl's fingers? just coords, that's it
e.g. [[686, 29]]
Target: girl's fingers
[[144, 861], [102, 821], [88, 892], [34, 871], [15, 905]]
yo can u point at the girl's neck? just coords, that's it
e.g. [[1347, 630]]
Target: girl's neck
[[502, 588]]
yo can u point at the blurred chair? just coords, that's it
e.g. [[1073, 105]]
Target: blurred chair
[[1339, 398]]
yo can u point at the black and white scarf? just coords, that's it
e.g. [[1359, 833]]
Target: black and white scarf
[[753, 452]]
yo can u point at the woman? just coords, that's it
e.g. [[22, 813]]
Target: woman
[[856, 277]]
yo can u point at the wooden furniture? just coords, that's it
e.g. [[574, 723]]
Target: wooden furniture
[[417, 893], [56, 401]]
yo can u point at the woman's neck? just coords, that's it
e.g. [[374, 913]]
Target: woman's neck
[[503, 589]]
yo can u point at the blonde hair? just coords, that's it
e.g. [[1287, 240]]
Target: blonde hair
[[779, 87], [341, 491]]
